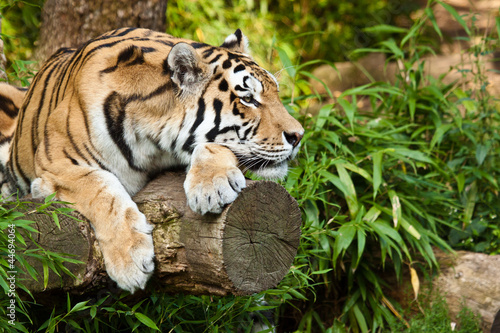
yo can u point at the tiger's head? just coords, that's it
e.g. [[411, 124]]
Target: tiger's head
[[238, 104]]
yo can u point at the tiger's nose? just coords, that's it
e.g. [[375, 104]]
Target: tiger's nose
[[293, 138]]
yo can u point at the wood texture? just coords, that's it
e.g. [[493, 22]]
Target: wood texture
[[69, 23], [247, 248]]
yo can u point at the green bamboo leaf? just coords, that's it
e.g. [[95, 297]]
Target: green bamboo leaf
[[413, 154], [350, 191], [460, 182], [432, 18], [471, 203], [45, 274], [74, 324], [412, 104], [361, 244], [80, 306], [93, 312], [360, 318], [396, 207], [287, 63], [372, 214], [323, 115], [50, 198], [354, 168], [393, 47], [384, 28], [296, 294], [377, 172], [410, 228], [344, 239], [455, 15], [146, 320], [497, 20], [439, 133], [349, 110], [56, 219], [481, 153]]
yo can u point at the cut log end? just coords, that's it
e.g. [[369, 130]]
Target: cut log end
[[261, 237]]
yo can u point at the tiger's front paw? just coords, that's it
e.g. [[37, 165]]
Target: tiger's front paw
[[129, 256], [214, 179]]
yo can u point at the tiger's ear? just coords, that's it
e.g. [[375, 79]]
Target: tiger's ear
[[187, 69], [236, 42]]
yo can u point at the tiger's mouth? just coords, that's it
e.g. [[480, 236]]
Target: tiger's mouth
[[265, 168]]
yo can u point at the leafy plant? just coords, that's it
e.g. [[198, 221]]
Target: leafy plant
[[435, 318], [19, 250], [381, 186]]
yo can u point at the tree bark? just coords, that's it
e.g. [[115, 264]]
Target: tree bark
[[69, 23], [247, 248]]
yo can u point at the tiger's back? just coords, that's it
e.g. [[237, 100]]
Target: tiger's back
[[119, 77], [99, 121]]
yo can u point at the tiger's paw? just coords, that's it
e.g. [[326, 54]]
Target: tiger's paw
[[214, 179], [210, 193], [129, 257]]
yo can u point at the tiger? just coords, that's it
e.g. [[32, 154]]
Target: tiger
[[100, 121]]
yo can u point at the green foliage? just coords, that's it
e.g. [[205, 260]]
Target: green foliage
[[381, 186], [19, 249], [435, 318], [20, 26], [314, 24]]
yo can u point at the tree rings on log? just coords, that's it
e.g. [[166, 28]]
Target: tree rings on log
[[261, 237]]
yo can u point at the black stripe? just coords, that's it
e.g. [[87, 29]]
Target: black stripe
[[200, 116], [4, 139], [75, 162], [35, 140], [208, 53], [223, 86], [245, 134], [239, 68], [239, 35], [197, 45], [215, 130], [8, 107], [20, 171], [114, 113], [237, 112], [74, 144], [216, 58], [226, 129], [226, 64], [232, 97], [255, 129], [98, 161]]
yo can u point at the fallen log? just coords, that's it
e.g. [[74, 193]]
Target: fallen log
[[247, 248]]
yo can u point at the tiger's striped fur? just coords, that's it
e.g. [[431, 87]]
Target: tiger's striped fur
[[101, 120]]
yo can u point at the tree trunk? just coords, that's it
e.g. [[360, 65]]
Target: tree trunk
[[247, 248], [69, 23]]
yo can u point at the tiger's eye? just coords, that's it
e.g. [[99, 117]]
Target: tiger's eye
[[247, 99]]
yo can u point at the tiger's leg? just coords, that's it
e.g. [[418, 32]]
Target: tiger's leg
[[214, 179], [123, 233]]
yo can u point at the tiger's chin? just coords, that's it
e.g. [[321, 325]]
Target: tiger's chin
[[272, 172]]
